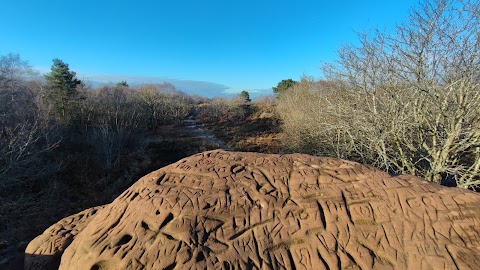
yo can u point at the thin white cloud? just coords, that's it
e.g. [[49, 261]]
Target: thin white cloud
[[192, 87]]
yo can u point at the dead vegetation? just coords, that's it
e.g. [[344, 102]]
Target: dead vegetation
[[407, 102], [52, 165], [243, 125]]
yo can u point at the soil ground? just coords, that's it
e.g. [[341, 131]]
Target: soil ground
[[252, 134]]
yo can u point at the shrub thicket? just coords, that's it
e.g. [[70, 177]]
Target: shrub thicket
[[407, 102]]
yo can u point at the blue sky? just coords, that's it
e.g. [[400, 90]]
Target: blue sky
[[227, 45]]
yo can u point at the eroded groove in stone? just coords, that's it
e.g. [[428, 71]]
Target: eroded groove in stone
[[228, 210], [45, 251]]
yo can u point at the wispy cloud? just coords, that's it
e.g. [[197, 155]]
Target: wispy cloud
[[254, 93], [192, 87]]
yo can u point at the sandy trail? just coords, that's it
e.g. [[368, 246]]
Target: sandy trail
[[197, 130]]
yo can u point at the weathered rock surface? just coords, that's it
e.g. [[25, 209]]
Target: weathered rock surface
[[45, 251], [227, 210]]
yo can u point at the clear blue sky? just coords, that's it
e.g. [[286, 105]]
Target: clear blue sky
[[239, 44]]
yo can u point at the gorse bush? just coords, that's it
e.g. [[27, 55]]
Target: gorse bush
[[408, 102]]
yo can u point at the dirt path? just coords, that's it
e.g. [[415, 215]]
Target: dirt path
[[198, 130]]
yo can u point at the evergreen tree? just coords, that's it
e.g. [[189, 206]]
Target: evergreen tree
[[61, 86], [245, 96], [283, 85], [123, 84]]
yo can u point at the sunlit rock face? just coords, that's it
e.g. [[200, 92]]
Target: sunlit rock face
[[230, 210]]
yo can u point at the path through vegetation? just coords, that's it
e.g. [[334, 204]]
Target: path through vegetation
[[198, 130]]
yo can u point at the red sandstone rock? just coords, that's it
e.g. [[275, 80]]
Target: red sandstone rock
[[227, 210], [45, 251]]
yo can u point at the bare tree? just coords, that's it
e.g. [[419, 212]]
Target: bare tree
[[408, 102], [162, 103], [14, 92], [24, 135], [26, 143]]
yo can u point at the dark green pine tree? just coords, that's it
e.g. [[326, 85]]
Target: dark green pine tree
[[245, 96], [61, 86], [122, 84], [283, 86]]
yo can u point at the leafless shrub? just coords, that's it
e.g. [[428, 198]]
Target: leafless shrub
[[266, 104], [25, 137], [27, 143], [107, 117], [407, 102], [218, 110], [22, 153], [109, 143], [161, 104]]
